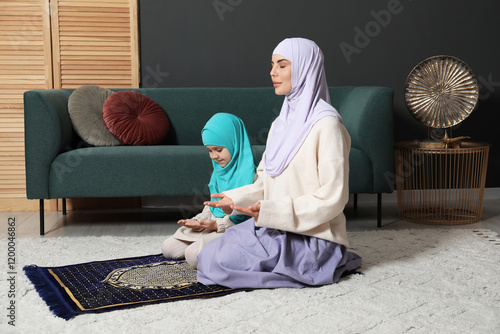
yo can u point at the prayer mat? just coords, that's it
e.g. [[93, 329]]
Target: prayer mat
[[103, 286]]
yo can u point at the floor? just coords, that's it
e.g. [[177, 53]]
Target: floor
[[162, 221]]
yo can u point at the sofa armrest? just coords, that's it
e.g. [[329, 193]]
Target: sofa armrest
[[48, 132], [368, 116]]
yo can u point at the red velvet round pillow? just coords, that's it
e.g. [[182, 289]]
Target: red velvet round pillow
[[135, 119]]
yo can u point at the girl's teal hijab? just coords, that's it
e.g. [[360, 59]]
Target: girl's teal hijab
[[228, 131]]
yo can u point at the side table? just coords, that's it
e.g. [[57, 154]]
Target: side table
[[441, 185]]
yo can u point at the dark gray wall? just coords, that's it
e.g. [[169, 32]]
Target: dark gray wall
[[228, 43]]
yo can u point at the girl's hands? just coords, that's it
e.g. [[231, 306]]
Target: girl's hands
[[199, 224], [224, 203]]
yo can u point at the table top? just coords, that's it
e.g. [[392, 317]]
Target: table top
[[439, 146]]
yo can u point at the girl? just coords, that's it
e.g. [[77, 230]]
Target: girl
[[297, 234], [228, 145]]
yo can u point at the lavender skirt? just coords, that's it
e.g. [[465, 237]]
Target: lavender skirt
[[246, 256]]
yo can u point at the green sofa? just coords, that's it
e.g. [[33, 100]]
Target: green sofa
[[60, 165]]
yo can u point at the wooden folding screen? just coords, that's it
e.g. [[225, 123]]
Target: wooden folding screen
[[57, 44], [95, 42], [25, 63]]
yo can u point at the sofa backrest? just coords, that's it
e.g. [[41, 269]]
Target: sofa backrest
[[188, 109], [364, 109]]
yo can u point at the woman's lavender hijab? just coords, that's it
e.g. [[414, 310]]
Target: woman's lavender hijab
[[307, 103]]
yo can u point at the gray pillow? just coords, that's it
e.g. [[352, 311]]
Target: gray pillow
[[85, 110]]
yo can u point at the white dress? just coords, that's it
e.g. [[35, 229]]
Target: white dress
[[203, 235]]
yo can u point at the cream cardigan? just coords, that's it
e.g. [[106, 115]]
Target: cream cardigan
[[310, 195]]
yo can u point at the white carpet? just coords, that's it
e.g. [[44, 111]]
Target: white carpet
[[415, 281]]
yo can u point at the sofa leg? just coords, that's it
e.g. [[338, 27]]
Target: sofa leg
[[355, 204], [42, 218], [64, 206], [379, 210]]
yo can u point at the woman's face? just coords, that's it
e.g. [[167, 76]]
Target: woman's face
[[281, 74], [219, 154]]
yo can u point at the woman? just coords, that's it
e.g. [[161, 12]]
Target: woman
[[297, 234]]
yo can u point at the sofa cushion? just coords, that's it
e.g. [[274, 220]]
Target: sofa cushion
[[135, 119], [131, 171], [85, 111], [134, 171]]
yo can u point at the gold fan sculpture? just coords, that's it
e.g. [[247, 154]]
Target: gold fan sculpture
[[440, 92]]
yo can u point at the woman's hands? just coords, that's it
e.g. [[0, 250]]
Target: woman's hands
[[227, 205], [252, 210], [199, 224]]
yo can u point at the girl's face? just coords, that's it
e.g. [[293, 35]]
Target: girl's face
[[219, 154], [281, 74]]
